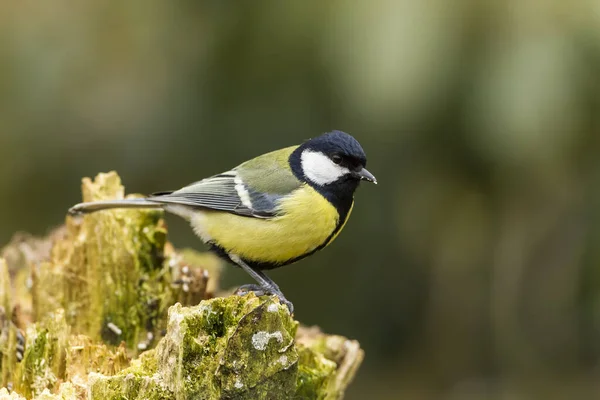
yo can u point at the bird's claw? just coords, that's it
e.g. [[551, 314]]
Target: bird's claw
[[245, 289], [286, 303], [262, 291]]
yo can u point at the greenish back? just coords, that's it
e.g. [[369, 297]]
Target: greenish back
[[270, 172]]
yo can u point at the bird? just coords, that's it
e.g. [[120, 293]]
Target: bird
[[270, 211]]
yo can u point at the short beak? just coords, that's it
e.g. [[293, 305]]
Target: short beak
[[365, 175]]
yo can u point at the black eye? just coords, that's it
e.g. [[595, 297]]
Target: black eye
[[336, 158]]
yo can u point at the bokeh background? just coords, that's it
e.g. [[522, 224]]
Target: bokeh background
[[472, 271]]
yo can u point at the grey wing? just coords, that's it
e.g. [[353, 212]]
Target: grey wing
[[223, 192]]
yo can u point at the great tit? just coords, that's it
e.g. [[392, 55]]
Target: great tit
[[270, 211]]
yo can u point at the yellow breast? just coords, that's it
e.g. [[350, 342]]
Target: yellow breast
[[307, 220]]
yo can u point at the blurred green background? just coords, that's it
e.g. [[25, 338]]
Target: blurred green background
[[472, 271]]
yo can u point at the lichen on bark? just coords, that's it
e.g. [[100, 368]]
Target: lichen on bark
[[111, 310]]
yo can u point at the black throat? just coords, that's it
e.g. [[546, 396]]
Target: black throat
[[339, 193]]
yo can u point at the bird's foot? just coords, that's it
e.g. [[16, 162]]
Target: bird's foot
[[251, 287], [262, 291]]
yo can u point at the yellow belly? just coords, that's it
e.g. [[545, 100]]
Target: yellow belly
[[307, 220]]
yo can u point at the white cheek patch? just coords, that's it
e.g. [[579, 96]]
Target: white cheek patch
[[320, 169]]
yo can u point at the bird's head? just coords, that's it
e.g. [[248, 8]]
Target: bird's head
[[330, 159]]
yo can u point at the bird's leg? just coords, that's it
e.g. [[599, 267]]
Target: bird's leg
[[265, 284]]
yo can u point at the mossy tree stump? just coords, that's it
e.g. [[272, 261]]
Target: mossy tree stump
[[106, 308]]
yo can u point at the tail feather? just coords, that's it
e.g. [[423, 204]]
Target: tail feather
[[93, 206]]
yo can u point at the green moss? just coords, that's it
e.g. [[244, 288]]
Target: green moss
[[43, 364], [328, 364], [238, 347], [234, 347], [8, 343], [109, 272], [133, 273], [85, 356], [314, 374], [128, 387], [260, 355], [147, 363]]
